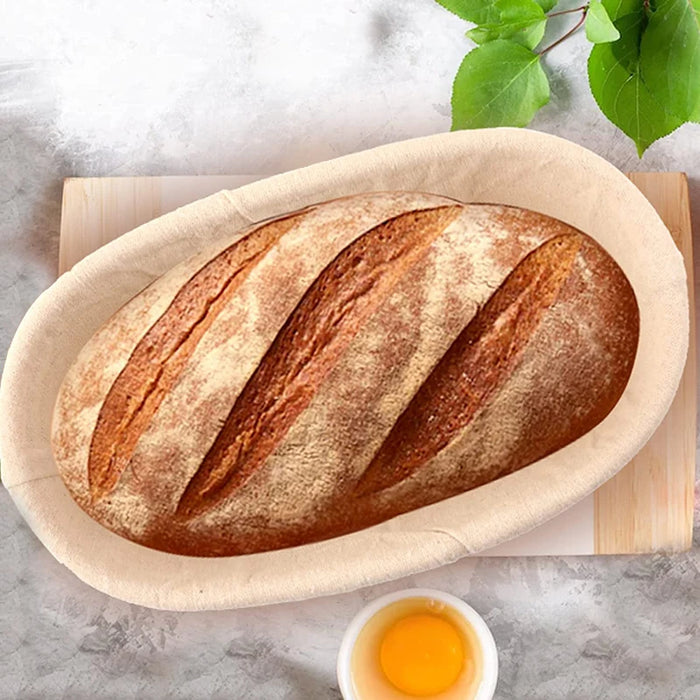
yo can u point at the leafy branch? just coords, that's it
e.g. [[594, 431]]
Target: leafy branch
[[573, 30], [643, 68]]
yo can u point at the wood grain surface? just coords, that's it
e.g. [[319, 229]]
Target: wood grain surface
[[646, 507]]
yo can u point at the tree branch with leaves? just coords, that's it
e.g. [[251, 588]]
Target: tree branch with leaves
[[643, 69]]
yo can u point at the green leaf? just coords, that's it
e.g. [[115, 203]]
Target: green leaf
[[626, 48], [526, 34], [522, 21], [619, 90], [498, 84], [669, 57], [620, 8], [477, 11], [599, 28], [547, 5], [530, 36]]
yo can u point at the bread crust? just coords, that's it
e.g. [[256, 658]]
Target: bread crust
[[325, 472], [307, 347], [477, 363], [160, 356]]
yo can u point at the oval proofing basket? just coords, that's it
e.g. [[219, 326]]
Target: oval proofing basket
[[507, 166]]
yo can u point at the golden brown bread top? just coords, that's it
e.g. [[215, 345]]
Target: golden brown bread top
[[548, 356], [477, 363], [162, 353], [307, 347]]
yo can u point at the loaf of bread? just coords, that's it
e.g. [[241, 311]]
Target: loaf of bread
[[327, 370]]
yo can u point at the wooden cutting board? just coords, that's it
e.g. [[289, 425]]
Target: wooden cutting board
[[646, 507]]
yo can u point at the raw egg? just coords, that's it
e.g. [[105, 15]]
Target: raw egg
[[416, 647]]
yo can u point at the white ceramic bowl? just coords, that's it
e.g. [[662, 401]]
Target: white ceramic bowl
[[489, 677]]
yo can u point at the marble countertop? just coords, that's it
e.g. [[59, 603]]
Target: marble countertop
[[183, 87]]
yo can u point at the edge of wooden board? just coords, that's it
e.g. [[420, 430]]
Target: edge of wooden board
[[101, 213], [659, 481]]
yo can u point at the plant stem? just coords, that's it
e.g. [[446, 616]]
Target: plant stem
[[568, 12], [575, 28]]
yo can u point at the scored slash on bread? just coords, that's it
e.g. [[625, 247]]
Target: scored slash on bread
[[162, 353], [474, 367], [307, 347]]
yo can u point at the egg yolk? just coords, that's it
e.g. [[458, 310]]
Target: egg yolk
[[421, 654]]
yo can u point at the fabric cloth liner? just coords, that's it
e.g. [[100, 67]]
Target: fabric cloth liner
[[508, 166]]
